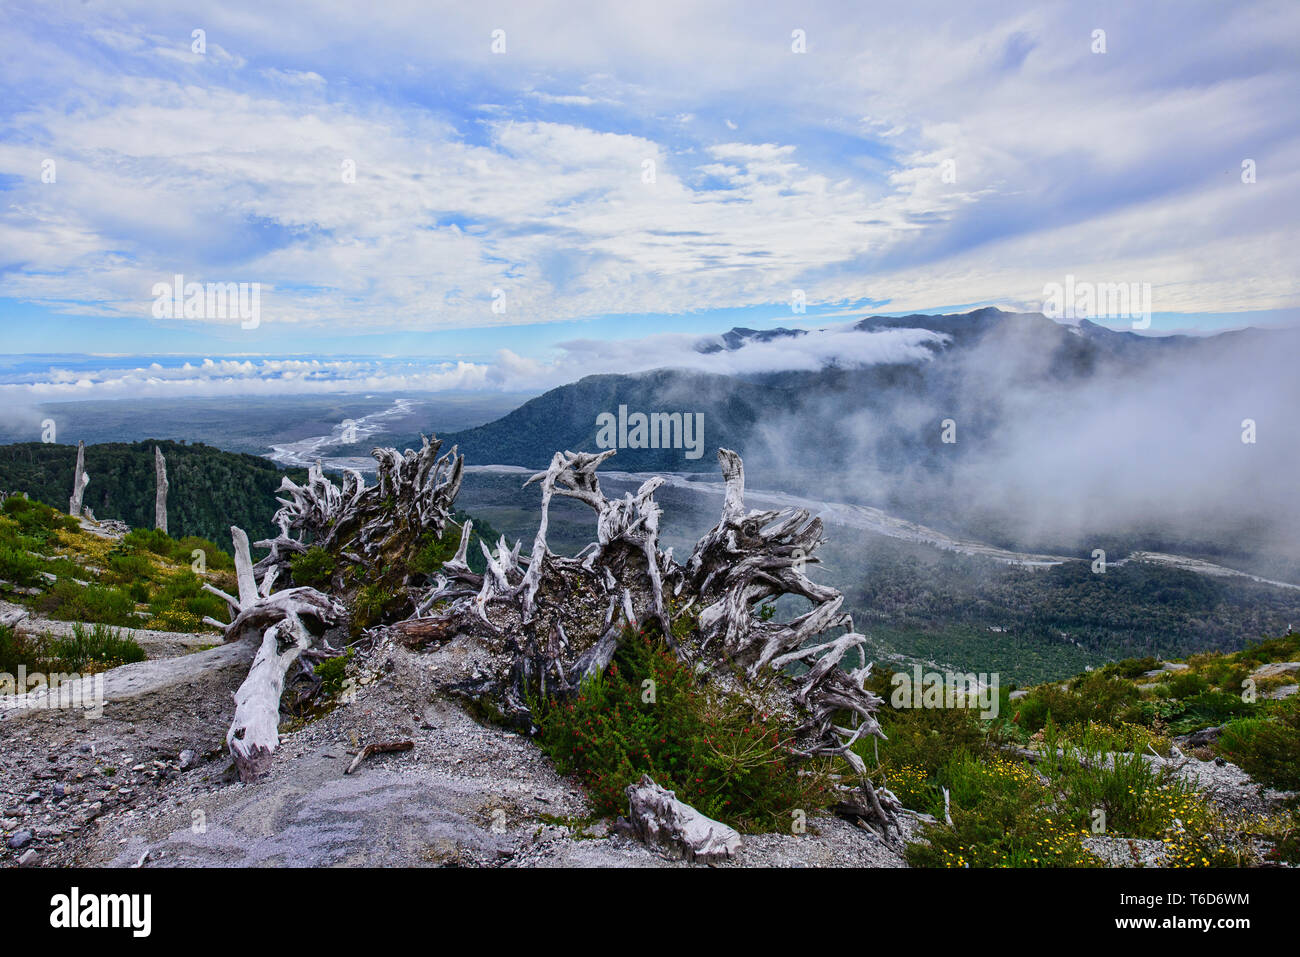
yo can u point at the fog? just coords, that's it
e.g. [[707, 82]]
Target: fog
[[1144, 449]]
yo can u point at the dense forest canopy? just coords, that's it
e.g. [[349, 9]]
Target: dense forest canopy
[[210, 489]]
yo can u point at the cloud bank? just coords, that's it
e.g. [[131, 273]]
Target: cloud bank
[[508, 372]]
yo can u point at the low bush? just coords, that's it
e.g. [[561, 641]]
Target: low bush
[[1002, 816], [1267, 750], [313, 567], [96, 648], [721, 755], [93, 603]]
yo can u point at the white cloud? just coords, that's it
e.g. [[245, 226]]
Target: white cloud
[[508, 372], [1066, 161]]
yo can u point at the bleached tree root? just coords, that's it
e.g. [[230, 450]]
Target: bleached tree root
[[377, 526], [748, 558]]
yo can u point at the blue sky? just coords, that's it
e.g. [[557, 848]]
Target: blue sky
[[930, 158]]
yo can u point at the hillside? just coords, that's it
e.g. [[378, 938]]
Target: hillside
[[1142, 762], [565, 418], [741, 409], [210, 490]]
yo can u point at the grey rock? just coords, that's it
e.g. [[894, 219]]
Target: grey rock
[[188, 759], [20, 839], [1273, 669], [29, 858], [1198, 739]]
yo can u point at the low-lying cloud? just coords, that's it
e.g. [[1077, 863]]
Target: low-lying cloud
[[507, 372]]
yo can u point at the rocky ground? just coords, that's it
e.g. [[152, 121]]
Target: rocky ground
[[149, 783]]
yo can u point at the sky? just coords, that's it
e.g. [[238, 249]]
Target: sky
[[490, 186]]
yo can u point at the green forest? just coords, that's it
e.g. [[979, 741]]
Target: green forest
[[210, 489]]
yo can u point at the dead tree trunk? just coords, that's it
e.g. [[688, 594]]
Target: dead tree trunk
[[255, 732], [283, 619], [160, 494], [79, 482]]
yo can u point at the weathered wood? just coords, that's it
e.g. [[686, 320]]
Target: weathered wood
[[380, 524], [747, 559], [79, 482], [418, 633], [281, 620], [379, 747], [255, 732], [160, 490], [248, 593], [658, 818], [750, 557]]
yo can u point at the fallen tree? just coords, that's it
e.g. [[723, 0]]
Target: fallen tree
[[548, 621], [551, 620], [289, 622], [374, 527]]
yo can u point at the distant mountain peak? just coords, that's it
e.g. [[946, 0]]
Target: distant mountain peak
[[738, 337]]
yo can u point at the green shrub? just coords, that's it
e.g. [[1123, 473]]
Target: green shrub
[[180, 604], [1097, 697], [313, 567], [1185, 684], [1210, 708], [177, 551], [93, 649], [1002, 816], [1139, 798], [86, 651], [433, 550], [373, 603], [106, 605], [26, 650], [925, 739], [332, 672], [1267, 750], [124, 567], [1285, 648], [37, 519], [719, 754], [147, 540], [17, 566], [1131, 667], [214, 558]]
